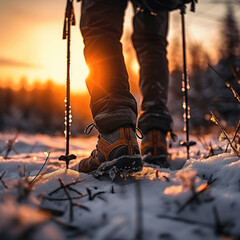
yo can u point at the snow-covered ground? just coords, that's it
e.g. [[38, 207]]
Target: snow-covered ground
[[194, 199]]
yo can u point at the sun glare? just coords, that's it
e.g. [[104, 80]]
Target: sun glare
[[46, 57], [55, 61], [135, 66]]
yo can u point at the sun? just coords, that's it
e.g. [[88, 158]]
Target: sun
[[135, 66], [46, 53], [52, 55]]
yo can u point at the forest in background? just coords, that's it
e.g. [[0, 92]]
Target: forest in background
[[41, 109]]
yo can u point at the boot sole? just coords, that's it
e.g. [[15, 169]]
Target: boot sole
[[160, 160], [123, 164]]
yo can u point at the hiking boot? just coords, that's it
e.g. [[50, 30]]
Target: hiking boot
[[154, 148], [115, 153]]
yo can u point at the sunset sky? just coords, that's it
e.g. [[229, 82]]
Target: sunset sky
[[32, 46]]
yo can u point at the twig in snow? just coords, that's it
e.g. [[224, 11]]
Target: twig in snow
[[196, 193], [71, 203], [78, 204], [215, 120], [63, 199], [103, 199], [24, 188], [69, 199], [23, 185], [112, 189], [167, 179], [2, 181], [211, 180], [10, 147], [67, 185], [92, 196], [74, 190]]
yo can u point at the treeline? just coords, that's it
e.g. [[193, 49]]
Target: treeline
[[41, 109]]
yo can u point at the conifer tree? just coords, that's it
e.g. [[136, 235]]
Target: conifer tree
[[230, 46]]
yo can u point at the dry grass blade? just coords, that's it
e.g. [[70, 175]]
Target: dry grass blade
[[235, 94], [235, 134], [215, 120], [47, 157]]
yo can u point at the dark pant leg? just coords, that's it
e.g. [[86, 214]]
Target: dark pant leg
[[149, 40], [112, 104]]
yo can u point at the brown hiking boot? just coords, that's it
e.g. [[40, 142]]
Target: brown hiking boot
[[115, 153], [154, 148]]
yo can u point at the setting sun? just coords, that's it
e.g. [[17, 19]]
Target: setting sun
[[40, 53]]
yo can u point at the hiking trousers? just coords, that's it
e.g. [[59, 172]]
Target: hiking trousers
[[112, 104]]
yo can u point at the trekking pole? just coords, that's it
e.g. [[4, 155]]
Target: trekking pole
[[185, 82], [69, 20]]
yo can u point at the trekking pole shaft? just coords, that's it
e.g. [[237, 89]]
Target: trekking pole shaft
[[139, 211], [186, 108], [67, 134]]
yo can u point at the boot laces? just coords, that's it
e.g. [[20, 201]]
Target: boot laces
[[92, 125], [139, 133], [89, 128]]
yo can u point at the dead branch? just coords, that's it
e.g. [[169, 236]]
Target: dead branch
[[2, 181], [215, 120]]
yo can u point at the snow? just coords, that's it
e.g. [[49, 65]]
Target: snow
[[194, 199]]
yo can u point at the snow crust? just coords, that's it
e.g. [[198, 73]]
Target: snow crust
[[194, 199]]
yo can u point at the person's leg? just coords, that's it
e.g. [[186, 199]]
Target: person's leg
[[113, 107], [149, 40], [112, 104]]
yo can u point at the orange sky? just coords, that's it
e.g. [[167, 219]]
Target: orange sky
[[32, 45]]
